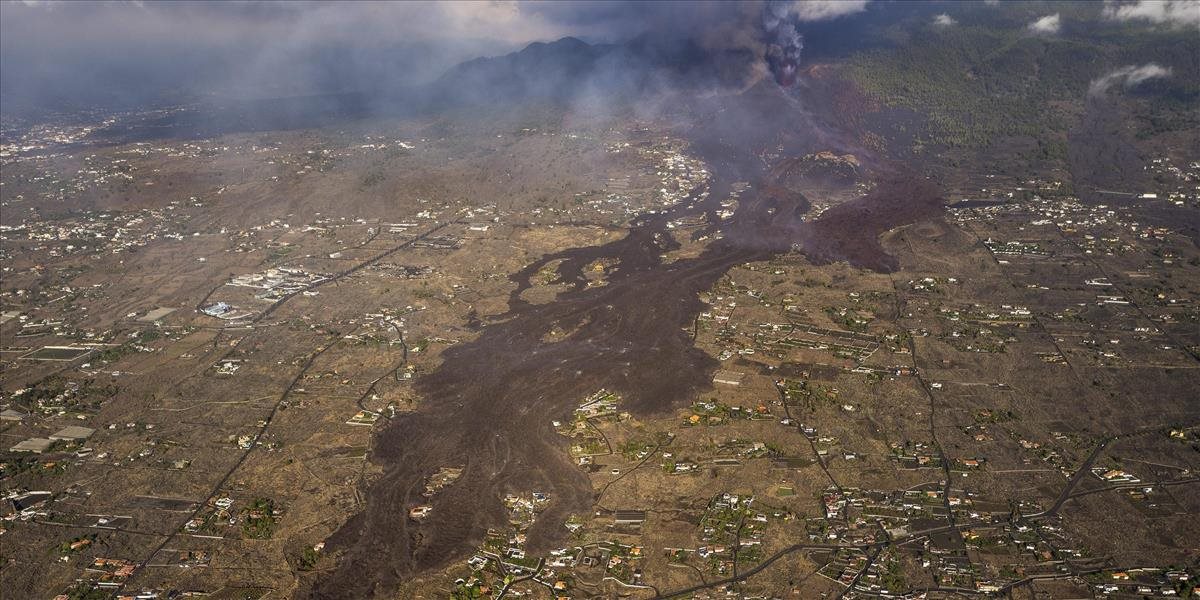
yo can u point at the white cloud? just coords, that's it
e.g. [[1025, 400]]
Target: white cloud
[[824, 10], [1049, 24], [1175, 13], [944, 20], [1127, 77]]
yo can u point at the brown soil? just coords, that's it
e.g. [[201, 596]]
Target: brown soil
[[489, 406]]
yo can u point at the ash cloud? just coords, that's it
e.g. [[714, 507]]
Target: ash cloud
[[785, 45], [1127, 77], [784, 41], [76, 55], [58, 55], [119, 54]]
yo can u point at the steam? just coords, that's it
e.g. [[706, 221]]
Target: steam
[[1173, 13], [785, 42], [820, 10], [944, 20], [1048, 25], [1128, 77]]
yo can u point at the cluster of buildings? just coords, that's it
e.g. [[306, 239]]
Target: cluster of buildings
[[96, 232], [278, 282], [674, 175], [1179, 185], [48, 139], [733, 529]]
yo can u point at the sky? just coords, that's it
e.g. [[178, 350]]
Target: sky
[[245, 49], [105, 53], [124, 51]]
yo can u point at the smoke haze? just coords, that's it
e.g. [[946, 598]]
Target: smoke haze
[[381, 57], [72, 55]]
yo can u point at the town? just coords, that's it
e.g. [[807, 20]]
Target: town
[[913, 313]]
